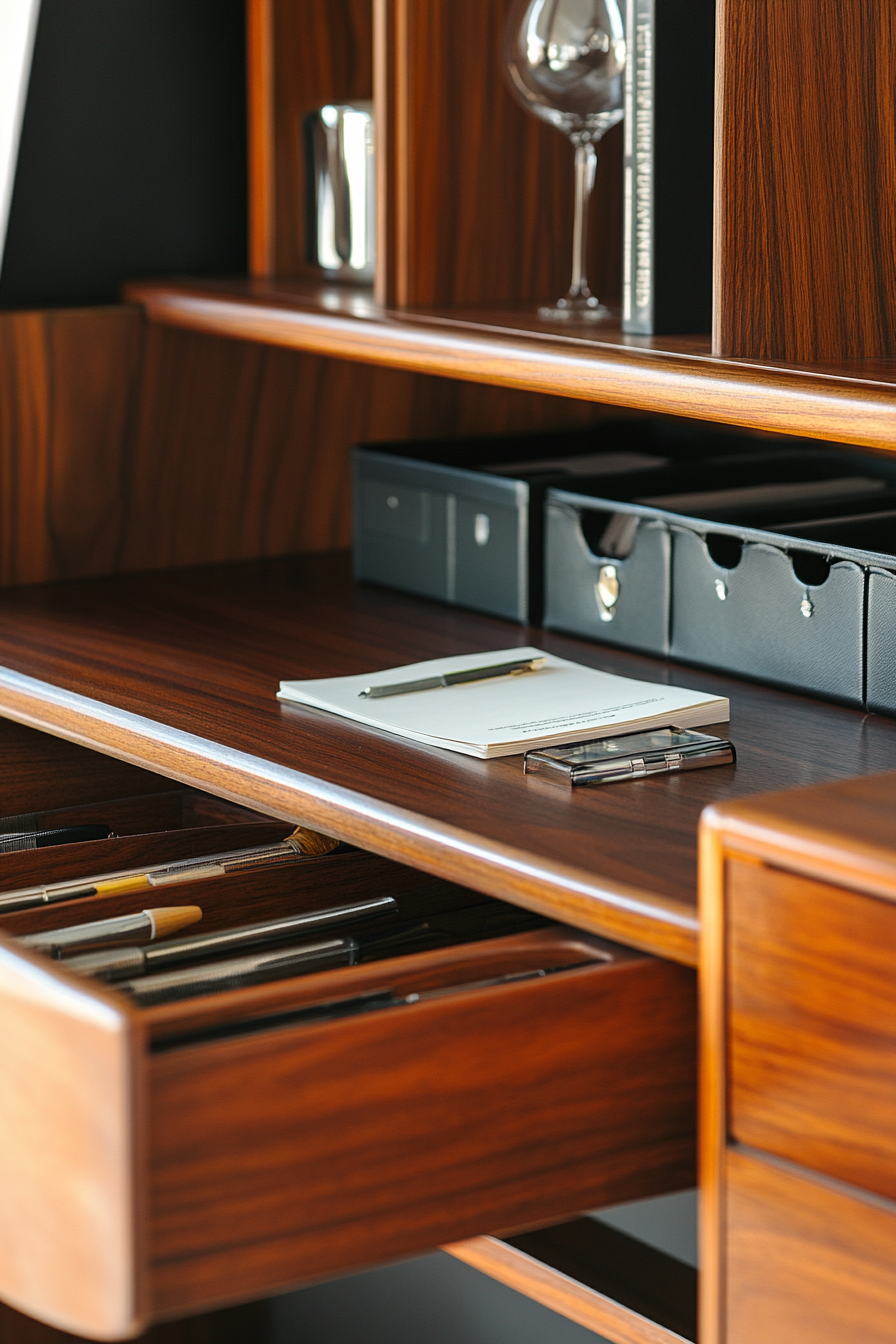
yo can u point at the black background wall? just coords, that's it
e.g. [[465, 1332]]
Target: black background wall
[[132, 160]]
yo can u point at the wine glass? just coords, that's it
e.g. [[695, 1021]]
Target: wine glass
[[565, 60]]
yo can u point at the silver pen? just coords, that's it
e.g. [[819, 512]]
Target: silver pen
[[126, 963], [453, 678], [217, 976]]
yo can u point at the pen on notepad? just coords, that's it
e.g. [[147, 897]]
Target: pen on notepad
[[301, 844], [147, 924], [452, 679]]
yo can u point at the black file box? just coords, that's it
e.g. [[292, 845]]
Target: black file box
[[772, 565], [872, 539], [607, 571], [462, 520]]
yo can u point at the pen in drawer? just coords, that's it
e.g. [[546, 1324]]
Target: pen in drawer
[[301, 844], [236, 972], [126, 963], [147, 924]]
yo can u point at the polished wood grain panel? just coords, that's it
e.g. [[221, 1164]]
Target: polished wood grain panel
[[243, 450], [812, 1024], [42, 772], [806, 181], [596, 1276], [123, 447], [68, 381], [845, 401], [385, 1134], [70, 1216], [197, 655], [476, 195], [808, 1263]]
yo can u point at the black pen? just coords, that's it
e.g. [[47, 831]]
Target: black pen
[[453, 678]]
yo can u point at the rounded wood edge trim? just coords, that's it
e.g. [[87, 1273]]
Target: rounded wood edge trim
[[712, 1066], [652, 923], [748, 829], [793, 402], [560, 1293]]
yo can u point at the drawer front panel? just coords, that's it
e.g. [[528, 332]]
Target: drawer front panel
[[806, 1263], [812, 984], [301, 1153], [68, 1163]]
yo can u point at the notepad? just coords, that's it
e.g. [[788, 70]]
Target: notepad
[[562, 702]]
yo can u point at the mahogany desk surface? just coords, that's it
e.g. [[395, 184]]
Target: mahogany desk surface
[[193, 658]]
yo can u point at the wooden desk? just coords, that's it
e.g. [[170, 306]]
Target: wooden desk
[[176, 671]]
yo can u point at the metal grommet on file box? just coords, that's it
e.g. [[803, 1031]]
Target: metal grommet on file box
[[721, 590], [606, 591]]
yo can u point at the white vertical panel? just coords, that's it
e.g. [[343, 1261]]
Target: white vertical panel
[[18, 20]]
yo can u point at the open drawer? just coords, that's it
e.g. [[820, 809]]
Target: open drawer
[[163, 1160]]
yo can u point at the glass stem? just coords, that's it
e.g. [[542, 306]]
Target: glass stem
[[585, 169]]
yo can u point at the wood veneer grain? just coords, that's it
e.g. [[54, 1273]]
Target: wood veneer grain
[[812, 1024], [68, 382], [848, 401], [125, 447], [807, 1262], [41, 772], [300, 1152], [806, 180]]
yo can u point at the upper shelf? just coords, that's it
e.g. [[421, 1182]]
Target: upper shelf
[[850, 403]]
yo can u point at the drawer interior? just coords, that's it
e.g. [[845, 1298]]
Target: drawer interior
[[477, 1069]]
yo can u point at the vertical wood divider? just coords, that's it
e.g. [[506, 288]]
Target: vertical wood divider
[[260, 92], [390, 88], [712, 1123]]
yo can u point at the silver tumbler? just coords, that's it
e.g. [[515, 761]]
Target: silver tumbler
[[341, 191]]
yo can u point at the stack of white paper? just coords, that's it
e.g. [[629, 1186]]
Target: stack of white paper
[[562, 702]]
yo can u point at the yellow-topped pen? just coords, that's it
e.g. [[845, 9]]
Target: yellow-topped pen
[[301, 844]]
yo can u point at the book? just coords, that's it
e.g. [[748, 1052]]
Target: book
[[668, 167], [504, 716]]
